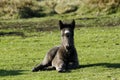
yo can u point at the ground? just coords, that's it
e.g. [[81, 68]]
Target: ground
[[24, 43]]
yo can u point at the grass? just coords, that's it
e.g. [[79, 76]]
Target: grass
[[24, 43], [98, 52], [16, 9]]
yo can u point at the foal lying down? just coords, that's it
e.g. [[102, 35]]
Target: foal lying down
[[63, 57]]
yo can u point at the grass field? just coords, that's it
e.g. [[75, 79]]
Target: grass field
[[98, 51], [24, 42]]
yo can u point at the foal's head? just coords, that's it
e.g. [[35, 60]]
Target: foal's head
[[67, 32]]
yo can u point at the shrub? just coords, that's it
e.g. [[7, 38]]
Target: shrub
[[19, 9], [101, 6], [30, 9], [12, 9]]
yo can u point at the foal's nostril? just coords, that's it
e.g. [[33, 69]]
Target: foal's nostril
[[68, 47]]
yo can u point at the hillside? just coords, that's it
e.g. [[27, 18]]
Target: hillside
[[15, 9]]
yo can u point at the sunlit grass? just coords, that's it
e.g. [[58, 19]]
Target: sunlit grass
[[97, 47]]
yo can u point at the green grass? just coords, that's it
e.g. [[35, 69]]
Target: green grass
[[98, 52], [24, 43]]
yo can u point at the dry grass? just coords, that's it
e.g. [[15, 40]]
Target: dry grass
[[102, 6], [18, 8], [37, 8]]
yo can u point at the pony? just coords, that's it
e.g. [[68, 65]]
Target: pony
[[61, 57]]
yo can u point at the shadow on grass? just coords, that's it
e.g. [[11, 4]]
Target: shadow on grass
[[11, 72], [108, 65], [12, 33]]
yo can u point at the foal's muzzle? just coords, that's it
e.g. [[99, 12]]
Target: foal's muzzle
[[68, 47]]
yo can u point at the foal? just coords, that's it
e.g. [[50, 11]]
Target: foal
[[64, 56]]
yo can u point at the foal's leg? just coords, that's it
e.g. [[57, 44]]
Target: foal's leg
[[47, 60], [59, 65], [58, 62], [73, 63]]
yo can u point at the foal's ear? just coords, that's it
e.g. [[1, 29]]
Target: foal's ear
[[73, 24], [61, 24]]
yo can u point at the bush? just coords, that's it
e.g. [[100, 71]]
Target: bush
[[30, 9], [101, 6], [20, 9], [12, 9]]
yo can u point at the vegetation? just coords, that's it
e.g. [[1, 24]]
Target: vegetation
[[13, 9], [24, 42], [98, 51]]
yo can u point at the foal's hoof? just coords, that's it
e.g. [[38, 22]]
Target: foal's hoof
[[34, 70], [61, 70]]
